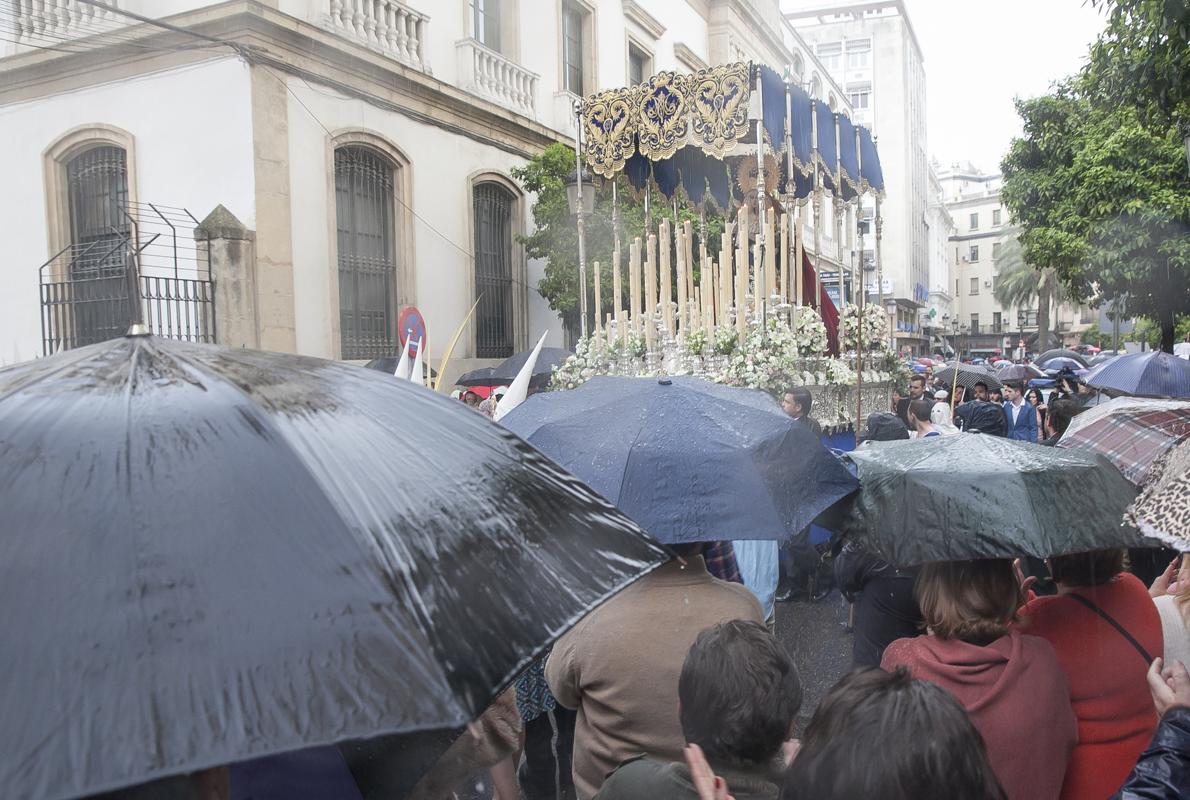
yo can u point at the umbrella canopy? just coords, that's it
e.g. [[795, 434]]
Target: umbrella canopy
[[968, 376], [506, 371], [1056, 364], [1018, 372], [1152, 374], [480, 377], [1132, 432], [1042, 359], [688, 459], [1163, 508], [974, 496], [211, 554], [1100, 358]]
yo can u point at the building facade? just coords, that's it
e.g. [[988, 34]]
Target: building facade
[[871, 50], [940, 309], [328, 162], [981, 325]]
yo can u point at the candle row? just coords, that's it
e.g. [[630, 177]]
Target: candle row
[[662, 286]]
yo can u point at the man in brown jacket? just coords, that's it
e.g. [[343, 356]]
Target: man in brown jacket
[[619, 665]]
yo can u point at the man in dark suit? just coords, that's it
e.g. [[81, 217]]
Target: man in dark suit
[[1020, 417], [797, 403]]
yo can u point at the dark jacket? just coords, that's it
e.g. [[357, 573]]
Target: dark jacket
[[814, 425], [1163, 771], [649, 779], [981, 416], [885, 609]]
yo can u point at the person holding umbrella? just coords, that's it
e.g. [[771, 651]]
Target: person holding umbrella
[[1105, 631], [1003, 678]]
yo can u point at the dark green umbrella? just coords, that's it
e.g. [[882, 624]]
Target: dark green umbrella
[[973, 496]]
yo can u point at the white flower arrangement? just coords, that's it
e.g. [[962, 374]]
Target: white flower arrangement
[[871, 331], [695, 341], [726, 340], [810, 333]]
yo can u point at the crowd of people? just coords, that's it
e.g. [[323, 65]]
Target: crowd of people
[[983, 688], [1014, 410], [977, 679]]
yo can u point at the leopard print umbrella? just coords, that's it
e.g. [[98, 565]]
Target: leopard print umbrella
[[1162, 510]]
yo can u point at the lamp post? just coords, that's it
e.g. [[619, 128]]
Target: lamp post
[[581, 204]]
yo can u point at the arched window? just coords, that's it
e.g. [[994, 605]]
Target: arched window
[[816, 87], [493, 214], [365, 193], [797, 67], [832, 103], [99, 231]]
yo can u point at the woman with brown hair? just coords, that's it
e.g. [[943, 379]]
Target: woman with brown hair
[[1009, 683], [1105, 632]]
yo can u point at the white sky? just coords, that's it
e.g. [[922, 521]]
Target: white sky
[[979, 54]]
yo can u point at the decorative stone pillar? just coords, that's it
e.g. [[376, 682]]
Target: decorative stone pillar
[[232, 250]]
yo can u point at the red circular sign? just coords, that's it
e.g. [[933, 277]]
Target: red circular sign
[[411, 326]]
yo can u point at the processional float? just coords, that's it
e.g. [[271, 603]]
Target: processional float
[[765, 154]]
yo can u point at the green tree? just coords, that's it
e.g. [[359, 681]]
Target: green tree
[[1103, 200], [1142, 60], [555, 238], [1020, 285]]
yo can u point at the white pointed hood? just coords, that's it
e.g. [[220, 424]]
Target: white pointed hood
[[519, 390], [402, 370]]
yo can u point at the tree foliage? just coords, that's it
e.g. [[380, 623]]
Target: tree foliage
[[1101, 195], [555, 239], [1142, 60]]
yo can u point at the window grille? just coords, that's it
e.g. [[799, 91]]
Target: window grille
[[364, 197], [493, 270]]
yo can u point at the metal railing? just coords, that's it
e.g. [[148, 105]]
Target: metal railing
[[152, 272]]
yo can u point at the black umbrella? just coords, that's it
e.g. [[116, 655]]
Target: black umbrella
[[969, 375], [976, 496], [212, 554], [506, 371], [1059, 353], [1018, 372]]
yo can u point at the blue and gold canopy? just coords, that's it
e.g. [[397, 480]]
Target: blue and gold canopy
[[682, 132]]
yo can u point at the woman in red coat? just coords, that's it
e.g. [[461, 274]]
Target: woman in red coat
[[1009, 683], [1105, 631]]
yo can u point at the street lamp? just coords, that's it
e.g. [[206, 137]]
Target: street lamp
[[582, 203]]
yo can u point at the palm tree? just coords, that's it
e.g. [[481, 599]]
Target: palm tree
[[1020, 284]]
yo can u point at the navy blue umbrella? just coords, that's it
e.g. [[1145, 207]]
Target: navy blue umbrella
[[1059, 363], [1152, 374], [688, 459]]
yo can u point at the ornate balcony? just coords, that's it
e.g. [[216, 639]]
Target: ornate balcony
[[494, 77], [387, 26], [38, 22]]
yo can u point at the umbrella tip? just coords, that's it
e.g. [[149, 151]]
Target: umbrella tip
[[138, 329], [664, 382]]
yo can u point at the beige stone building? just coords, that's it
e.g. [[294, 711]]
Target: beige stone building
[[294, 173], [980, 324]]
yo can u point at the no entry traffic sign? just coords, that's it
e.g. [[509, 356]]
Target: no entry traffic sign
[[411, 327]]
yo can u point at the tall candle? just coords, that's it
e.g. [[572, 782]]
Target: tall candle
[[598, 301], [617, 292], [634, 285], [650, 288], [665, 277]]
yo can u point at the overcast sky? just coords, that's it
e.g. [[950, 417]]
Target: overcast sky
[[980, 54]]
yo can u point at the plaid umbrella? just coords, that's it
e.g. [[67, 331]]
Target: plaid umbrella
[[1162, 510], [1132, 432], [968, 376]]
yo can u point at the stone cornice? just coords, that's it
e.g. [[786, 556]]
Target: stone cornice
[[683, 53], [651, 24], [265, 36]]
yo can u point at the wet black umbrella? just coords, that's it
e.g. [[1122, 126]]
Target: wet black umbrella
[[506, 371], [1049, 355], [975, 496], [212, 554], [1018, 372], [969, 375]]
